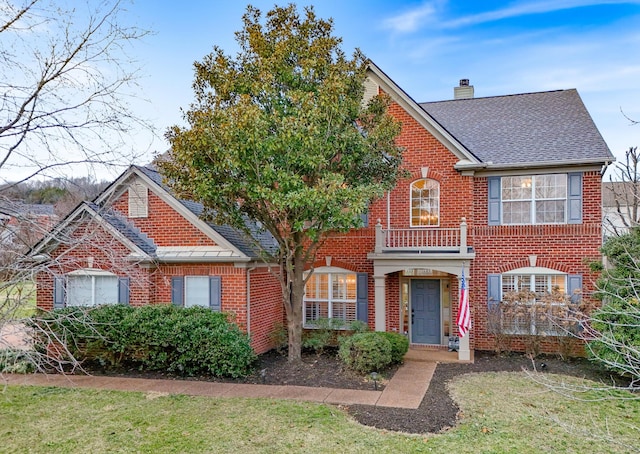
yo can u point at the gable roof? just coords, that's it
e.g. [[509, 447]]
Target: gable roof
[[125, 228], [228, 237], [532, 129], [398, 95], [121, 228]]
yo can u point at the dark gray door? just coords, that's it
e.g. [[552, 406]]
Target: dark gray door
[[425, 311]]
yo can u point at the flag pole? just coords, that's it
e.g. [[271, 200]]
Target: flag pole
[[464, 319]]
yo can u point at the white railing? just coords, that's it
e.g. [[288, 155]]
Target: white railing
[[422, 239]]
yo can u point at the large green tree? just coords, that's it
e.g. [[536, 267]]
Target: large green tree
[[280, 135]]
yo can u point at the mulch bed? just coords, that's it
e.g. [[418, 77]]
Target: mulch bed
[[436, 413]]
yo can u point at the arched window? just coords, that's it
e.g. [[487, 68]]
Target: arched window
[[425, 203]]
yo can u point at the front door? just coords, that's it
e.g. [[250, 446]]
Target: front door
[[425, 311]]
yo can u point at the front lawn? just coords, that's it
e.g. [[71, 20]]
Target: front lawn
[[502, 412]]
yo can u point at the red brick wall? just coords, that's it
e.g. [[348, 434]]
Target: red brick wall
[[233, 283], [166, 226], [423, 150], [91, 240], [568, 248], [266, 307]]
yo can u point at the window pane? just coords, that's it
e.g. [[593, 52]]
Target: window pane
[[558, 283], [516, 188], [425, 203], [542, 284], [106, 289], [314, 310], [344, 311], [516, 213], [550, 212], [551, 186], [196, 291], [79, 292]]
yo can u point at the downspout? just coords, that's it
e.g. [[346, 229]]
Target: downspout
[[388, 210], [249, 270]]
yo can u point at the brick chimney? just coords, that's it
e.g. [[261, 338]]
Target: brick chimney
[[464, 91]]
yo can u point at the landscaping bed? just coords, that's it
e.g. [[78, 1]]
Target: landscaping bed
[[324, 370], [437, 411]]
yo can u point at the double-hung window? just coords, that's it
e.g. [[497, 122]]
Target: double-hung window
[[535, 199], [190, 291], [336, 294], [90, 287], [330, 295], [532, 301]]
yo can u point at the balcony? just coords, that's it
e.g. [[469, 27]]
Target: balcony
[[423, 240]]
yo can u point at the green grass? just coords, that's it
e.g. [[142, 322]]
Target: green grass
[[18, 300], [502, 413]]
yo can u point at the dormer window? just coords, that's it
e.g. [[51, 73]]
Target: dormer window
[[138, 201], [425, 203]]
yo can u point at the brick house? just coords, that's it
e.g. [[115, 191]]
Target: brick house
[[506, 189]]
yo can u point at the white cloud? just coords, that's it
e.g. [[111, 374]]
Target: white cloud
[[411, 20], [528, 8]]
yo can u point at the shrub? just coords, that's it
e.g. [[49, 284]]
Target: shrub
[[187, 341], [399, 345], [15, 362], [616, 336], [366, 352]]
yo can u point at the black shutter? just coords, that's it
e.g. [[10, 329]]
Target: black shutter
[[362, 297], [177, 291]]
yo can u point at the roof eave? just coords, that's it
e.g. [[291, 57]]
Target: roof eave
[[421, 115], [548, 164]]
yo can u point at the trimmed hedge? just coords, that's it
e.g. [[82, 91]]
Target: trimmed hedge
[[399, 345], [372, 351], [365, 352], [186, 341]]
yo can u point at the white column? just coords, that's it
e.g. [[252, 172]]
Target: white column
[[464, 352], [381, 322]]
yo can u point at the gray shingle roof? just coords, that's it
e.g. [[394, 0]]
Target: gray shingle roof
[[552, 126], [234, 236], [126, 228]]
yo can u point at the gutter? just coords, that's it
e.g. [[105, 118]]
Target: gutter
[[249, 299]]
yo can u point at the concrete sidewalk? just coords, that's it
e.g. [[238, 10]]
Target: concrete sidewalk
[[405, 390]]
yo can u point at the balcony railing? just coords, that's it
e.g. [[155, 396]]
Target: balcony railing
[[422, 239]]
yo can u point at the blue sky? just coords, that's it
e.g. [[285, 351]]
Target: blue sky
[[427, 47]]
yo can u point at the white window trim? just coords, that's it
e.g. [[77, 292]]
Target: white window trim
[[532, 272], [411, 204], [93, 273], [330, 271], [533, 200]]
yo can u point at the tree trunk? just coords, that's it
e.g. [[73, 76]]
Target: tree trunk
[[294, 328], [294, 294]]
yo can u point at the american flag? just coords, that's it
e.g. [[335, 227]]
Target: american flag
[[464, 314]]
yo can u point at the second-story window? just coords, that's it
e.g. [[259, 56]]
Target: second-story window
[[535, 199], [425, 203]]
